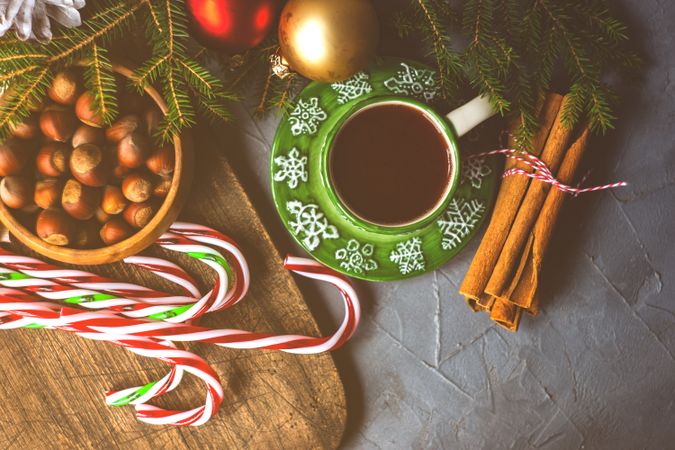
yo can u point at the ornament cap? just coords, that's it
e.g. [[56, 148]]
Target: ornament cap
[[280, 66]]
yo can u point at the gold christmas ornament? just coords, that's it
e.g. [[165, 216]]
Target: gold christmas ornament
[[328, 40]]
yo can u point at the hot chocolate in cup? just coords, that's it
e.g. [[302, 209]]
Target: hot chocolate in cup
[[392, 164]]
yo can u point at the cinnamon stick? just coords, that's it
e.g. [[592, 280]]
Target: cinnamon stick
[[524, 288], [510, 257], [506, 314], [508, 202]]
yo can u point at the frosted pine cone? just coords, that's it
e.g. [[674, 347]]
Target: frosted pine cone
[[31, 18]]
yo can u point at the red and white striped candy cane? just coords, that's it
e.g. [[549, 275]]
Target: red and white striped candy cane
[[85, 324], [134, 293], [18, 309], [239, 339], [214, 238], [133, 300], [19, 306], [153, 338]]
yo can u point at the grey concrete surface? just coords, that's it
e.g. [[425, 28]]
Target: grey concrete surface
[[596, 369]]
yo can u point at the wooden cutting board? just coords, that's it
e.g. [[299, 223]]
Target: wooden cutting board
[[52, 382]]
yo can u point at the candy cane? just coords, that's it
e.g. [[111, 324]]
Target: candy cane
[[84, 324], [239, 339], [18, 305], [134, 294], [229, 338], [212, 237], [124, 297], [153, 338], [21, 311]]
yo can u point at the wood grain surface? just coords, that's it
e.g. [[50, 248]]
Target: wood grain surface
[[53, 383]]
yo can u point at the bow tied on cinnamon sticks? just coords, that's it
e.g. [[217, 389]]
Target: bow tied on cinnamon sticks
[[503, 279]]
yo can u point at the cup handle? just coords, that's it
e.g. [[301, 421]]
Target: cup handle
[[467, 117]]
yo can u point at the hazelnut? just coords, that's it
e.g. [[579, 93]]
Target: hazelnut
[[113, 201], [115, 231], [79, 201], [88, 135], [162, 161], [123, 128], [138, 215], [162, 188], [153, 119], [85, 111], [16, 192], [102, 216], [137, 187], [55, 227], [48, 193], [28, 129], [65, 88], [87, 235], [13, 157], [133, 150], [52, 159], [58, 123], [89, 165]]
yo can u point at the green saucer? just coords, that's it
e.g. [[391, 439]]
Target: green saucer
[[319, 225]]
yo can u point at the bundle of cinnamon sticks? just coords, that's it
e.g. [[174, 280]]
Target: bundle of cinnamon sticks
[[503, 279]]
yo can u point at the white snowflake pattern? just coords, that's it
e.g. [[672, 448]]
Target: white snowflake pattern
[[306, 117], [353, 88], [292, 168], [474, 170], [420, 83], [408, 255], [459, 220], [357, 258], [310, 224]]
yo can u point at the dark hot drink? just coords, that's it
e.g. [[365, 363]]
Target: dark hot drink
[[390, 164]]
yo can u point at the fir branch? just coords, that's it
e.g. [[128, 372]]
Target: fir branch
[[15, 107], [153, 16], [448, 62], [9, 76], [199, 77], [100, 81], [514, 47], [214, 109], [149, 72]]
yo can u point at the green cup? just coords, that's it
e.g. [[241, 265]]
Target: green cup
[[451, 128]]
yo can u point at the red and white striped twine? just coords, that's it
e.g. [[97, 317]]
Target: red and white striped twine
[[542, 171]]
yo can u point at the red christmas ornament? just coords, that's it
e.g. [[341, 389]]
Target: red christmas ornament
[[231, 25]]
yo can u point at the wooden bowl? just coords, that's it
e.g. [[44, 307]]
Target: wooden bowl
[[167, 214]]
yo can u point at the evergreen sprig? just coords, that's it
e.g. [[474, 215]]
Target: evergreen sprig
[[514, 47], [27, 68], [506, 49]]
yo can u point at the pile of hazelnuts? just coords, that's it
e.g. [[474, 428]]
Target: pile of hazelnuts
[[80, 184]]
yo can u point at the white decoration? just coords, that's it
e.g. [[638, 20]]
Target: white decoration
[[474, 170], [459, 221], [357, 258], [420, 83], [310, 224], [408, 255], [306, 117], [292, 168], [353, 88], [31, 18]]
